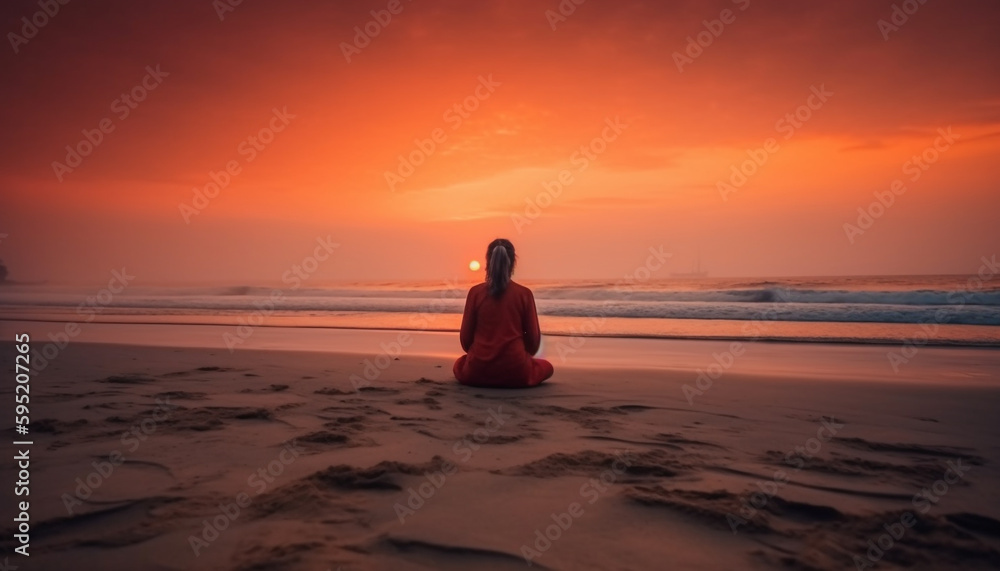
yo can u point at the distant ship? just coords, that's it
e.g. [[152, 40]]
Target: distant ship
[[697, 273]]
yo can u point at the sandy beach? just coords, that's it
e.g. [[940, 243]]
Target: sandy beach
[[259, 262], [159, 457]]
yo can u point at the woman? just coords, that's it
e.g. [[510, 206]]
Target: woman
[[500, 328]]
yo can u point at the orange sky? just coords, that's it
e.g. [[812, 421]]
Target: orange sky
[[655, 184]]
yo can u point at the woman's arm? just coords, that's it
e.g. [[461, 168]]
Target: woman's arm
[[529, 323], [468, 331]]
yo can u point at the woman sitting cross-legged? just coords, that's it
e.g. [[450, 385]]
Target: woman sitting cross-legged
[[500, 328]]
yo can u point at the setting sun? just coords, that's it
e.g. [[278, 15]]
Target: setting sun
[[474, 265]]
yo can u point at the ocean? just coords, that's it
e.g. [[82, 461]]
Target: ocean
[[939, 310]]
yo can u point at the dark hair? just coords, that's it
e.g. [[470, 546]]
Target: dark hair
[[500, 262]]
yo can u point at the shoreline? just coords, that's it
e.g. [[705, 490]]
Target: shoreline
[[763, 338], [948, 365]]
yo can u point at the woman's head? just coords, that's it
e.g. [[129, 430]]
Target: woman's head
[[500, 262]]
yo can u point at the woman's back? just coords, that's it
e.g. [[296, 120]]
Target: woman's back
[[505, 326], [500, 328]]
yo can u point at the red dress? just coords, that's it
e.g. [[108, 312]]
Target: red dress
[[500, 335]]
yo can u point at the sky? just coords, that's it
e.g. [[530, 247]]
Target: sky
[[411, 139]]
